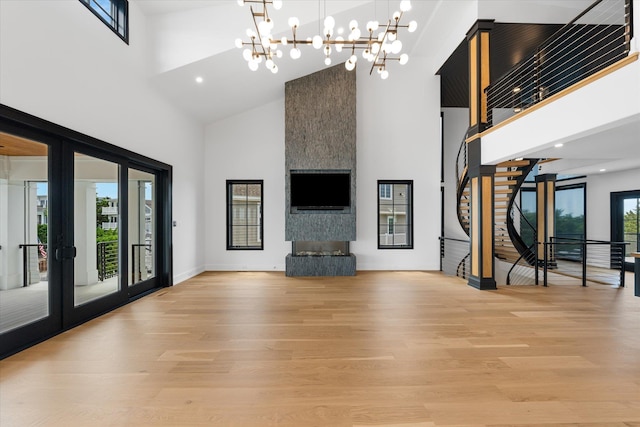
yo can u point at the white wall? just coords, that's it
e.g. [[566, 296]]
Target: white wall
[[60, 63], [397, 138], [246, 146], [456, 122], [599, 188]]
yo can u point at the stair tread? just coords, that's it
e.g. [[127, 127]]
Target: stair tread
[[508, 173], [511, 163]]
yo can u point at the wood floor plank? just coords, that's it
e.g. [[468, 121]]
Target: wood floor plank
[[394, 349]]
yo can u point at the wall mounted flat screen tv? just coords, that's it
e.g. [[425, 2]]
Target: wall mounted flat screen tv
[[320, 190]]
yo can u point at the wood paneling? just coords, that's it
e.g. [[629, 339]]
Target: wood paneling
[[487, 226], [475, 230], [485, 76], [473, 81], [378, 349], [11, 145]]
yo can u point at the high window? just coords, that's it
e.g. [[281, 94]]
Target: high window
[[114, 13], [244, 214], [395, 214]]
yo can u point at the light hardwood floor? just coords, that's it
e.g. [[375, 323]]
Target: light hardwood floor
[[383, 348]]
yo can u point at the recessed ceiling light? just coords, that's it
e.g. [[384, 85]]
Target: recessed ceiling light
[[603, 170], [558, 145], [199, 79]]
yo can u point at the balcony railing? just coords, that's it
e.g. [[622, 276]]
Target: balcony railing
[[107, 259], [597, 38]]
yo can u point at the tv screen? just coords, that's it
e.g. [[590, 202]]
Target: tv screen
[[315, 190]]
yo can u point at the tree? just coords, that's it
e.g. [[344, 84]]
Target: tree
[[42, 233], [101, 202], [631, 221]]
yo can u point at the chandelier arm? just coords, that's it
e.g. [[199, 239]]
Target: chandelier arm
[[255, 23]]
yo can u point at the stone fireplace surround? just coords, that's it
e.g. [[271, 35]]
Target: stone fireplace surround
[[320, 135]]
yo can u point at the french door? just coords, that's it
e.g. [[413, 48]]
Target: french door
[[625, 222], [84, 228]]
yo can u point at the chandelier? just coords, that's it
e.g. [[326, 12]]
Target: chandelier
[[378, 42]]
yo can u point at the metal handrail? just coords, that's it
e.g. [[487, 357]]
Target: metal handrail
[[25, 259], [550, 256]]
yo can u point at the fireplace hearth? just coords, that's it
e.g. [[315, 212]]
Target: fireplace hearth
[[319, 248]]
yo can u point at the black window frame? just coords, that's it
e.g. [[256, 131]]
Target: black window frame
[[229, 184], [409, 213], [119, 16]]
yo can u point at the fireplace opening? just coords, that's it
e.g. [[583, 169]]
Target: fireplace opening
[[320, 248]]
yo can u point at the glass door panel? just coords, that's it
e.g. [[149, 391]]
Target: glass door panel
[[142, 222], [96, 225], [24, 218]]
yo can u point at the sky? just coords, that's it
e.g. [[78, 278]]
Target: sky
[[104, 189]]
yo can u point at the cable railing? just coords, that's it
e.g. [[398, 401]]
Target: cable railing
[[455, 257], [594, 261], [523, 271], [597, 38], [107, 259]]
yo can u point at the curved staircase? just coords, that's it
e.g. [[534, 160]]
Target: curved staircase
[[508, 178]]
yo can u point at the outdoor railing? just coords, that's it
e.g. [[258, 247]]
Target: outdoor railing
[[107, 259], [597, 38], [33, 252], [455, 256]]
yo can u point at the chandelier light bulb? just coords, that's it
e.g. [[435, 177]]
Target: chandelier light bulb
[[327, 50], [239, 43], [381, 36], [266, 42], [392, 36], [253, 65], [396, 47], [413, 25], [284, 41], [405, 5], [241, 2], [329, 22], [353, 24], [250, 33], [339, 41], [375, 48], [247, 54], [356, 33], [384, 75], [263, 28], [294, 22], [396, 16], [349, 65], [274, 69], [317, 42], [277, 4], [365, 54], [404, 58], [353, 58], [258, 58], [269, 64], [279, 54], [295, 53], [375, 25], [327, 61], [386, 47]]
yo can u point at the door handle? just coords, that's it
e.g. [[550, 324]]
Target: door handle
[[64, 253]]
